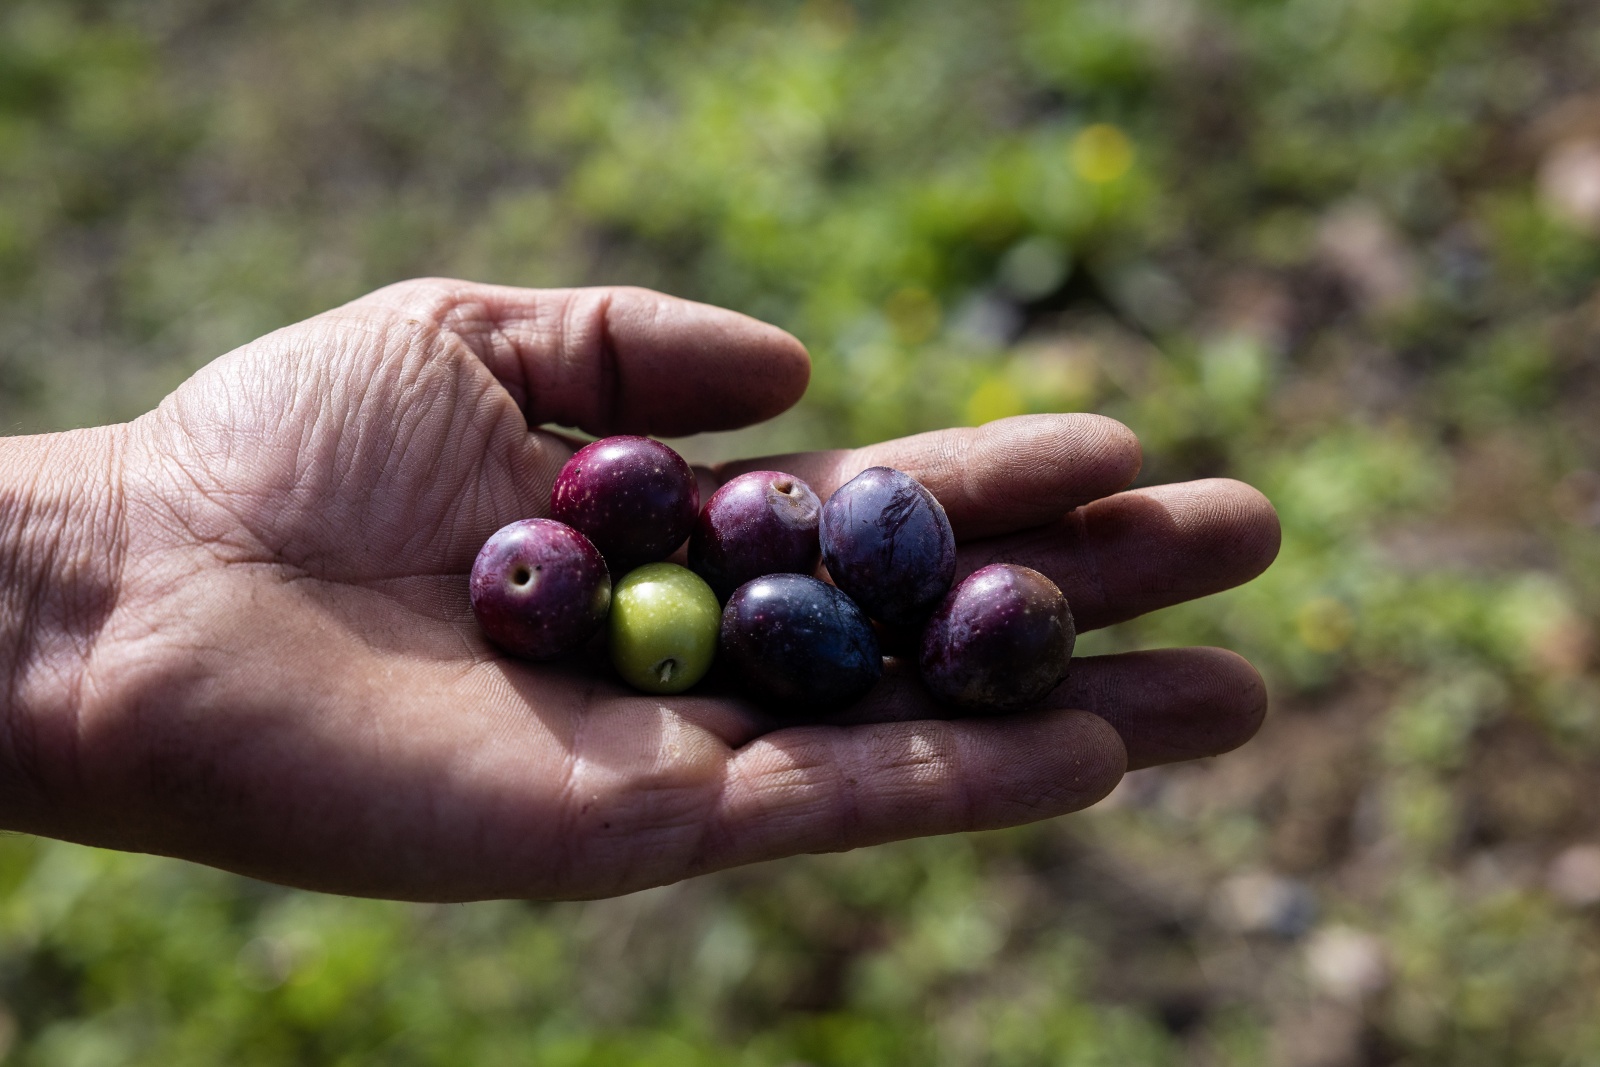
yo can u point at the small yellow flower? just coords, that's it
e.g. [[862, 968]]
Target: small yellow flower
[[1102, 153], [996, 398], [1325, 624], [914, 314]]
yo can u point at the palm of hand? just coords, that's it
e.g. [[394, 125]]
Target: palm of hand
[[311, 703]]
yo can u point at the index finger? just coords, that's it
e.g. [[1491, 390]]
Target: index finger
[[1011, 474]]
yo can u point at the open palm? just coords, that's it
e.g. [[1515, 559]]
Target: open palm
[[290, 683]]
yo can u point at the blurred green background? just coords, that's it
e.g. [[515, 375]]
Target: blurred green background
[[1347, 250]]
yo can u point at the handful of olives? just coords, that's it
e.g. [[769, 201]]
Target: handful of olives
[[999, 641]]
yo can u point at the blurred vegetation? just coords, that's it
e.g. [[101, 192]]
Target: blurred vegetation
[[1347, 250]]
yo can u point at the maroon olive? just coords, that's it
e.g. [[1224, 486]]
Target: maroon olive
[[634, 497], [763, 522], [539, 589], [1000, 641]]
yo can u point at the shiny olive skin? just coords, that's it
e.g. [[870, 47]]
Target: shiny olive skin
[[800, 646], [663, 628], [761, 522], [539, 589], [1000, 642], [634, 497], [887, 542]]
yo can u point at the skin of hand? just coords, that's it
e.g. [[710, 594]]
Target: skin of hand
[[236, 630]]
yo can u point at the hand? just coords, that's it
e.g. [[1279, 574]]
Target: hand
[[264, 657]]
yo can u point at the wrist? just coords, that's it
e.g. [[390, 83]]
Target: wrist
[[61, 546]]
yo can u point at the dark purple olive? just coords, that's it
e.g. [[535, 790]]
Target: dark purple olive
[[886, 542], [1000, 641], [539, 589], [800, 645], [634, 497], [763, 522]]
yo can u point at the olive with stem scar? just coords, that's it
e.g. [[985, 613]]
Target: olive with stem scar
[[539, 589]]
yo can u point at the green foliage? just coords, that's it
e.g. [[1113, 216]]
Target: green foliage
[[1320, 245]]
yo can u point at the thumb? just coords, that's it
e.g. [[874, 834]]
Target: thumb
[[615, 359]]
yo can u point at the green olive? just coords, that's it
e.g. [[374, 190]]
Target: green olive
[[664, 622]]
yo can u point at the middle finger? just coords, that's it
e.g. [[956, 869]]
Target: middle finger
[[1128, 554]]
